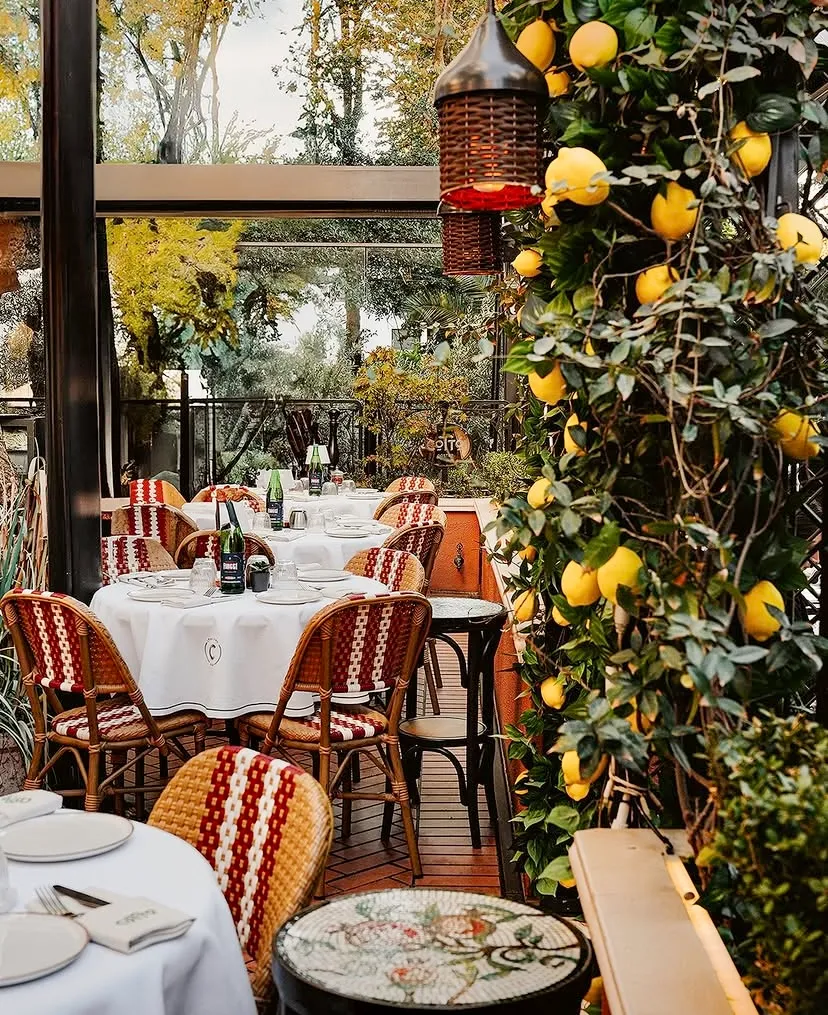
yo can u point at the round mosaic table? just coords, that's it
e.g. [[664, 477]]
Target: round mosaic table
[[425, 949]]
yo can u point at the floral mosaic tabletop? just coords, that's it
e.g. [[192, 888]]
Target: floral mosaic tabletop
[[425, 948]]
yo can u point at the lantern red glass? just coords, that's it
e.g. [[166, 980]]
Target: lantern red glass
[[490, 106]]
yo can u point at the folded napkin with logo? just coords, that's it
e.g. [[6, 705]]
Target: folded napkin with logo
[[127, 923], [30, 803]]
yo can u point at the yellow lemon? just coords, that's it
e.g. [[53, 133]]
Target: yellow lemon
[[558, 82], [621, 569], [756, 620], [653, 283], [553, 692], [589, 348], [569, 441], [579, 586], [595, 994], [537, 43], [518, 780], [528, 263], [571, 769], [671, 215], [794, 433], [593, 45], [559, 618], [577, 790], [548, 209], [528, 553], [577, 169], [525, 606], [567, 882], [802, 234], [754, 151], [539, 493], [549, 389]]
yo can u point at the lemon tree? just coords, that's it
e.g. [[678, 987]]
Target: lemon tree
[[671, 297]]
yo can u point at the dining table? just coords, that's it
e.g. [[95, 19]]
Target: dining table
[[324, 549], [225, 658], [200, 972]]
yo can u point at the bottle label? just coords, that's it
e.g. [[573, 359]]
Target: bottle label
[[315, 484], [232, 571], [276, 511]]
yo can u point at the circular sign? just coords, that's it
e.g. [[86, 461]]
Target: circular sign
[[452, 445]]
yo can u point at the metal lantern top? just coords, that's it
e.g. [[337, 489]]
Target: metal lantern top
[[491, 62]]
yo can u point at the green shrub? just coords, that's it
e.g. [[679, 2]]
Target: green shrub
[[771, 780]]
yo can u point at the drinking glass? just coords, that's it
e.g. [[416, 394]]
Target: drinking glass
[[203, 576], [305, 483], [316, 522], [285, 573], [329, 520], [330, 490], [348, 486], [261, 522]]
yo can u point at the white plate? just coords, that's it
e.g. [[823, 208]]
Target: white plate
[[289, 597], [351, 698], [33, 945], [363, 494], [160, 594], [339, 533], [65, 835], [323, 574], [180, 574]]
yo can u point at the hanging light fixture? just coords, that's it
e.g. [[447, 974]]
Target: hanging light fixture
[[11, 240], [490, 104], [471, 242]]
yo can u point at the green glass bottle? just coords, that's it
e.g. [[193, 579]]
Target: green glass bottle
[[275, 501], [232, 555], [316, 476]]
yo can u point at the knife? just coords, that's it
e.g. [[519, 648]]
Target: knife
[[81, 897]]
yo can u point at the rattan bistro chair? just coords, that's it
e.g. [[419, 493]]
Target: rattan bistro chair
[[207, 543], [155, 491], [265, 826], [398, 571], [411, 497], [423, 539], [408, 512], [62, 646], [230, 491], [158, 521], [363, 643], [407, 483], [128, 554]]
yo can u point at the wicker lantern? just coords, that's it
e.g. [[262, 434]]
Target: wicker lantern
[[490, 105], [471, 242], [11, 242]]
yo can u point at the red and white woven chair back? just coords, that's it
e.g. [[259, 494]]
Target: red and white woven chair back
[[423, 539], [408, 513], [369, 637], [51, 623], [146, 491], [128, 554], [406, 483], [207, 543], [264, 825], [230, 491], [392, 567]]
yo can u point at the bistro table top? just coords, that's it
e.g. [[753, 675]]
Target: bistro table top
[[429, 949], [462, 611]]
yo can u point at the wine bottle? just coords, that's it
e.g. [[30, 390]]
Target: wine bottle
[[316, 476], [232, 555], [275, 501]]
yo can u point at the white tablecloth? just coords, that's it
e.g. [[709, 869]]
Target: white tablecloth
[[197, 974], [203, 513], [225, 659], [342, 504], [320, 548]]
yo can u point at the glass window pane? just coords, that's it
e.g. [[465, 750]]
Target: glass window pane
[[19, 80]]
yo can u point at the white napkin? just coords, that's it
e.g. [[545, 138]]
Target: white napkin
[[129, 923], [30, 803], [285, 536], [196, 601], [338, 590]]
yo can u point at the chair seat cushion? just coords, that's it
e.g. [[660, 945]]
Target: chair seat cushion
[[118, 719], [350, 725]]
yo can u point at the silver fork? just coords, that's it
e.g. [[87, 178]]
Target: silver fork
[[50, 900]]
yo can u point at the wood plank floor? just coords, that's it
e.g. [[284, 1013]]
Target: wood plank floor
[[362, 862]]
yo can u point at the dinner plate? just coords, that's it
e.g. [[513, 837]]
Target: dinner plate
[[34, 944], [363, 494], [289, 597], [342, 533], [64, 835], [323, 574], [159, 595], [179, 574]]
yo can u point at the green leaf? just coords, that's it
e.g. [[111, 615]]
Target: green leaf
[[602, 546], [639, 27], [558, 870], [774, 112], [537, 521], [770, 329], [562, 816], [743, 73]]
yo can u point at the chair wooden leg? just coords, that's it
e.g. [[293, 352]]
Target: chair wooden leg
[[33, 779], [435, 662], [119, 759], [199, 735], [347, 805], [92, 800], [431, 685], [140, 791], [400, 791]]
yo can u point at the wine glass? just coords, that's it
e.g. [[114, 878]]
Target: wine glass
[[203, 575]]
